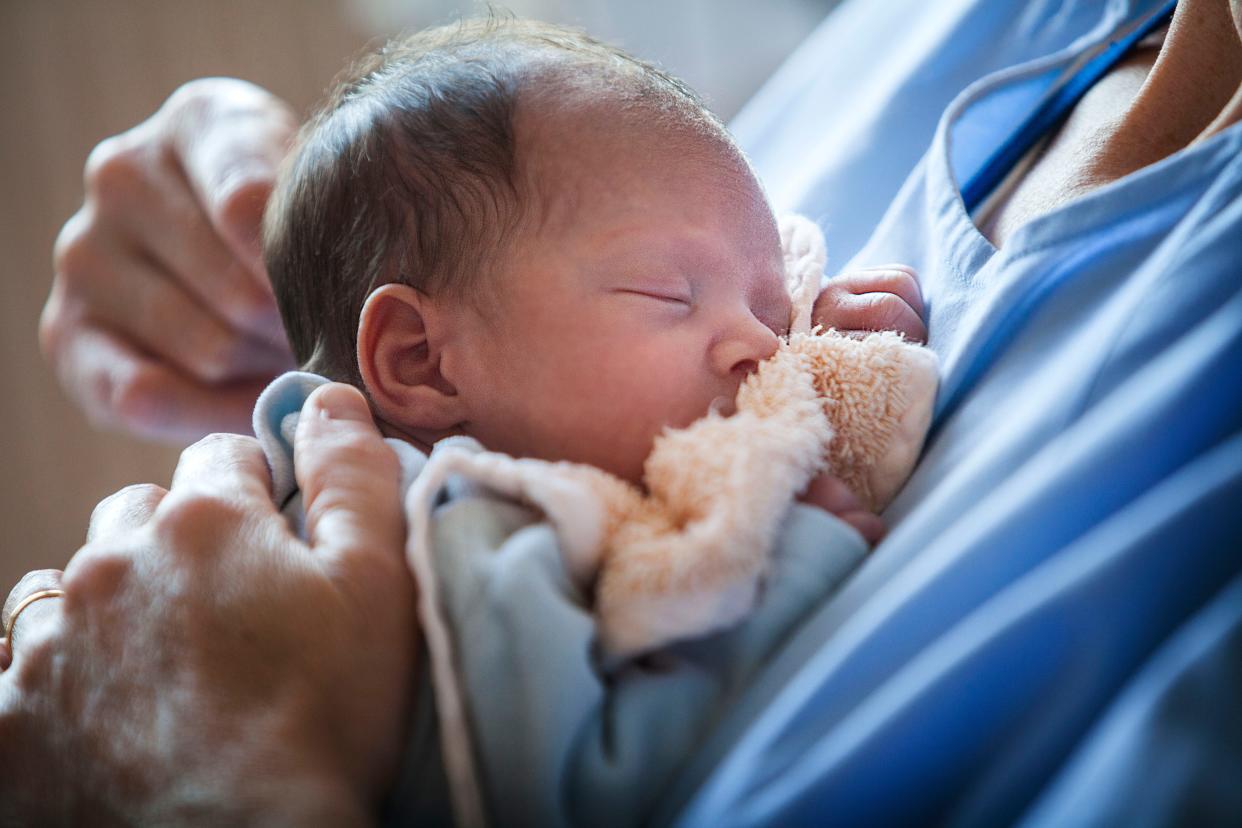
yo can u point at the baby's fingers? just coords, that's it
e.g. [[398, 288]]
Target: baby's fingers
[[833, 496], [892, 278], [849, 312], [868, 525]]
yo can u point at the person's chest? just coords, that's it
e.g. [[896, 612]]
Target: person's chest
[[1086, 152], [1028, 332]]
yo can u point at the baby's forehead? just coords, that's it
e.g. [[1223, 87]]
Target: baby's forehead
[[577, 164]]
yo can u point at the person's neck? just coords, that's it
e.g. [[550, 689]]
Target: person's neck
[[1193, 91]]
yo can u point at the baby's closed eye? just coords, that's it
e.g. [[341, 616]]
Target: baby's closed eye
[[669, 289], [661, 295]]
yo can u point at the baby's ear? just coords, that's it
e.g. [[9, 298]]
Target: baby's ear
[[805, 254], [399, 359]]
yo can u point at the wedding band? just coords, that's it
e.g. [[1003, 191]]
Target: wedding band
[[27, 601]]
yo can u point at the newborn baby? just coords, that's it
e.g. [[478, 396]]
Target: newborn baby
[[560, 251], [510, 232]]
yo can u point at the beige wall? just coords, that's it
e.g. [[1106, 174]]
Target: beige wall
[[71, 73]]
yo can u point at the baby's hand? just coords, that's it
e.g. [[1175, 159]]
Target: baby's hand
[[833, 496], [884, 298]]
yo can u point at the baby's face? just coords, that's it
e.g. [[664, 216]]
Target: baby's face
[[651, 287]]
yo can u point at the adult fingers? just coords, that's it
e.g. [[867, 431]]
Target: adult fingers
[[349, 480], [219, 498], [163, 265], [137, 191], [224, 466], [230, 138], [124, 511], [119, 386], [33, 614], [123, 290]]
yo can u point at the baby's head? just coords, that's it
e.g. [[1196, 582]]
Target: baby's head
[[509, 230]]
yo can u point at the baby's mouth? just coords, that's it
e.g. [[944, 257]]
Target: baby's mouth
[[724, 406]]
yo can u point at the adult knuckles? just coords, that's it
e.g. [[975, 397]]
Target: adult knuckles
[[198, 99], [96, 573], [115, 172], [188, 522], [223, 442], [128, 495], [217, 95], [207, 111], [132, 500], [233, 451]]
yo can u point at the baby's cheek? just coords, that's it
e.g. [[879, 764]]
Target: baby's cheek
[[626, 392]]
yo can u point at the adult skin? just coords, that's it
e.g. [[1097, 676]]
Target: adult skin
[[1120, 128], [1169, 93], [161, 320], [205, 665]]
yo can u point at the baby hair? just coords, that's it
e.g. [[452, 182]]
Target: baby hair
[[410, 171]]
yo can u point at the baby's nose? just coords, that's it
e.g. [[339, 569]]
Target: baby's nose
[[746, 366], [741, 352]]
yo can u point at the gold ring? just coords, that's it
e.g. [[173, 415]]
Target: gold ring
[[27, 601]]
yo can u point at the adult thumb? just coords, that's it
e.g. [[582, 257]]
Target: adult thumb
[[349, 480]]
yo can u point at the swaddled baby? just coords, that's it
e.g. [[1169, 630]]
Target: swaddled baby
[[510, 232]]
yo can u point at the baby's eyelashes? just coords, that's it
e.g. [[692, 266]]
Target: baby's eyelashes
[[660, 296]]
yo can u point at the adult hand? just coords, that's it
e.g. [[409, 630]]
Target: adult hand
[[161, 319], [205, 664], [884, 298]]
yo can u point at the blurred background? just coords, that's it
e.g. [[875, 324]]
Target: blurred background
[[73, 72]]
